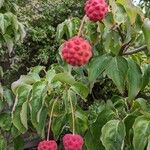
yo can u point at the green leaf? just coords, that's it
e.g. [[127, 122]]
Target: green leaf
[[141, 130], [129, 121], [17, 120], [1, 72], [9, 42], [18, 143], [22, 94], [15, 23], [23, 114], [117, 71], [146, 76], [22, 31], [64, 78], [72, 26], [50, 75], [41, 118], [2, 104], [58, 124], [15, 132], [80, 89], [131, 9], [37, 69], [90, 139], [113, 135], [5, 121], [2, 22], [1, 91], [3, 143], [97, 67], [8, 96], [144, 104], [60, 31], [134, 79], [37, 99], [1, 3], [146, 31], [81, 120], [148, 146], [103, 117], [118, 13], [25, 79]]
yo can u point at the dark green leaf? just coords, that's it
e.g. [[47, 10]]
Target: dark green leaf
[[18, 143], [97, 66], [146, 76], [5, 121], [134, 79], [3, 143], [80, 89], [117, 71], [58, 124], [81, 121], [146, 31]]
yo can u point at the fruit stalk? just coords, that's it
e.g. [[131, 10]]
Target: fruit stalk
[[50, 119], [81, 26], [73, 116]]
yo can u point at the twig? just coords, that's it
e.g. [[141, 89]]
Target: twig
[[121, 34], [124, 47], [81, 26], [136, 50]]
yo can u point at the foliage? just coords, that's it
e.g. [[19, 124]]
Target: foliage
[[120, 64], [39, 47]]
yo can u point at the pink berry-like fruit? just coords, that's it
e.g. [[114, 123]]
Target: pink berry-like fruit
[[76, 51], [73, 142], [96, 10], [47, 145]]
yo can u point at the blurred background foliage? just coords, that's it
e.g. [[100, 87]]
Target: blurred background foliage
[[39, 47]]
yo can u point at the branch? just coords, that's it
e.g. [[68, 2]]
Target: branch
[[136, 50], [121, 34]]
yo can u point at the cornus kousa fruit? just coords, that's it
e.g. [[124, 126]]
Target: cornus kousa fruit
[[76, 51], [47, 145], [73, 142], [96, 10]]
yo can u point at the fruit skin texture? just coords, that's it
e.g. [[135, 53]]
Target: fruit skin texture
[[76, 51], [73, 142], [96, 10], [47, 145]]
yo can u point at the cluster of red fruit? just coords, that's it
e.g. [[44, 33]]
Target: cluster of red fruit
[[77, 52], [70, 141]]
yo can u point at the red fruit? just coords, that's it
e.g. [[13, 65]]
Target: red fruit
[[96, 10], [76, 51], [73, 142], [47, 145]]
